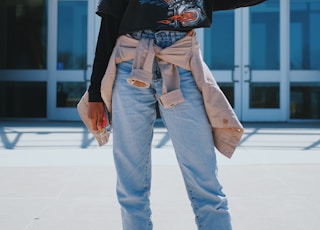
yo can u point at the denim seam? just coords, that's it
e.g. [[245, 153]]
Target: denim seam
[[147, 190], [194, 204]]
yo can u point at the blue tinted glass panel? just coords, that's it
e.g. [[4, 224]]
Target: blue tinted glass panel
[[69, 93], [265, 36], [305, 101], [23, 99], [72, 35], [264, 95], [23, 36], [305, 35], [219, 41]]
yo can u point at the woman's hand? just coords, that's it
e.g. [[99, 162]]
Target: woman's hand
[[96, 113]]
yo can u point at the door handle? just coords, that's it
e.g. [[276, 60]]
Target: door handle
[[232, 73], [250, 73]]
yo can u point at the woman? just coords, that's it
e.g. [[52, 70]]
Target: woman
[[153, 55]]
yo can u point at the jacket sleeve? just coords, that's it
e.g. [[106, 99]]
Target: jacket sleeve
[[233, 4], [102, 8], [111, 7], [106, 40]]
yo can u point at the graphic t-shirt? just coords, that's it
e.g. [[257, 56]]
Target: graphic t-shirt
[[181, 15], [120, 17]]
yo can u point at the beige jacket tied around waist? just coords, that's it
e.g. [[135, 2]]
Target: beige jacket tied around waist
[[185, 53]]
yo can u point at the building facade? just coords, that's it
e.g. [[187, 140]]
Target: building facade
[[265, 58]]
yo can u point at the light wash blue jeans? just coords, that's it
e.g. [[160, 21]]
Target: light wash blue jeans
[[133, 118]]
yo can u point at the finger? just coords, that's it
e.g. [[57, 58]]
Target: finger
[[94, 124], [99, 122]]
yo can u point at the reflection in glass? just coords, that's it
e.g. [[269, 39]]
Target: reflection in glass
[[305, 35], [69, 93], [265, 36], [72, 35], [305, 101], [219, 41], [264, 95], [23, 37]]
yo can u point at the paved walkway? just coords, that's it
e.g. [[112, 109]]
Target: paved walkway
[[53, 176]]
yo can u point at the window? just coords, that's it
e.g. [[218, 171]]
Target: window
[[23, 99], [265, 36], [219, 41], [72, 35], [305, 101], [305, 35], [23, 37]]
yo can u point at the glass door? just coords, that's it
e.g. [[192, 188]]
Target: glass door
[[260, 74], [305, 59], [71, 49], [243, 50]]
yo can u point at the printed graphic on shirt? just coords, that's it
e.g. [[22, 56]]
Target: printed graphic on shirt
[[181, 13]]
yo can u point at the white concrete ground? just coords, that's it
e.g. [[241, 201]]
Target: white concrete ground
[[53, 176]]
